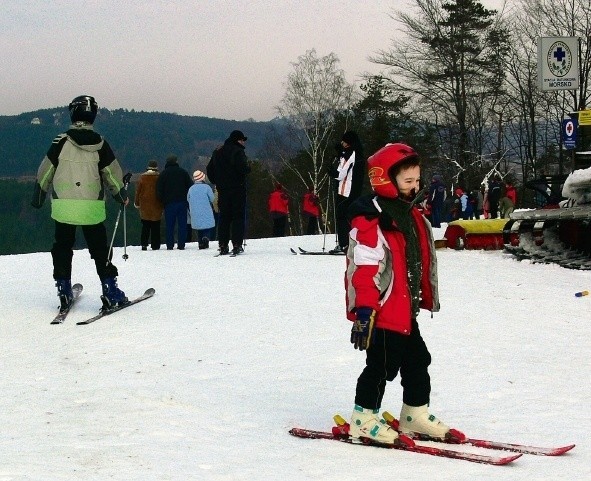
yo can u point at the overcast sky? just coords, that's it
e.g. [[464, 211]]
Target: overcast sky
[[216, 58]]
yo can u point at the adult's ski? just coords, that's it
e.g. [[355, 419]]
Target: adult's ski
[[63, 313], [404, 444], [457, 437], [319, 253], [107, 312]]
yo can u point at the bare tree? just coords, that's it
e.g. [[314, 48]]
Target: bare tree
[[446, 64], [536, 131], [316, 92], [568, 18]]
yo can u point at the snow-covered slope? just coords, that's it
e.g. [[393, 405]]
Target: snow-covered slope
[[203, 381]]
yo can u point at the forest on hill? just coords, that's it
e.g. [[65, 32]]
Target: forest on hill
[[135, 137]]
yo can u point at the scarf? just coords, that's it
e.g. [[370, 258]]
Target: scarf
[[399, 211]]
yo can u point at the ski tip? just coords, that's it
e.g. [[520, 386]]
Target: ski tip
[[507, 459], [561, 450]]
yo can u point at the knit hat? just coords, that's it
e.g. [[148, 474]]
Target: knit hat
[[350, 137], [153, 165], [237, 135], [198, 176]]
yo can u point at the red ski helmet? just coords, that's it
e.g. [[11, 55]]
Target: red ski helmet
[[379, 167]]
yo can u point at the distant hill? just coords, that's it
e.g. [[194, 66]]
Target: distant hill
[[135, 137]]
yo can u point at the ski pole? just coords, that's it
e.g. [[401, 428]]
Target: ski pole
[[110, 254], [126, 180], [334, 213], [326, 215], [125, 256]]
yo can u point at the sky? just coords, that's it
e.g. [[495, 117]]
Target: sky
[[216, 58], [204, 380]]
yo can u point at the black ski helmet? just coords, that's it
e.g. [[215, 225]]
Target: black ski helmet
[[83, 109]]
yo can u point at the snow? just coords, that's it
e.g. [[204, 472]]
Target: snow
[[578, 186], [204, 380]]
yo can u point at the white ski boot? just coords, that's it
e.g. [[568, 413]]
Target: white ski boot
[[365, 423], [416, 420]]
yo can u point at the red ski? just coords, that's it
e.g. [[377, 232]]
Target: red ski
[[340, 433], [457, 437]]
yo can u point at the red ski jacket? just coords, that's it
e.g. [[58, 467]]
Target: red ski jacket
[[377, 275], [278, 202], [310, 205], [512, 194]]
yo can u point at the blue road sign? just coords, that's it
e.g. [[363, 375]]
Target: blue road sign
[[569, 133]]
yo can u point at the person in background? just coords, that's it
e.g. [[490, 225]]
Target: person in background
[[77, 167], [311, 210], [200, 199], [505, 207], [448, 211], [511, 192], [465, 206], [485, 202], [391, 274], [228, 169], [278, 205], [494, 195], [437, 196], [172, 187], [478, 204], [149, 206], [348, 173]]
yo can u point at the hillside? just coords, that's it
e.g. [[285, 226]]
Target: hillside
[[135, 137]]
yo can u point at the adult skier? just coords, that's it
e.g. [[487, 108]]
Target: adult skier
[[391, 274], [348, 173], [77, 167], [228, 169]]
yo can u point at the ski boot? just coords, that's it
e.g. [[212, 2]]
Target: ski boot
[[339, 250], [204, 243], [416, 422], [224, 250], [112, 295], [366, 424], [237, 250], [64, 292]]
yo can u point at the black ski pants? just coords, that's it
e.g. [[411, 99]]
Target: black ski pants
[[96, 240], [279, 226], [232, 205], [343, 226], [312, 225], [389, 353], [151, 234]]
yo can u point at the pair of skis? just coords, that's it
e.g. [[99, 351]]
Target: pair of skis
[[315, 253], [340, 432], [105, 311]]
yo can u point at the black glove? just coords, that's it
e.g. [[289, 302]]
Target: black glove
[[121, 196], [362, 330]]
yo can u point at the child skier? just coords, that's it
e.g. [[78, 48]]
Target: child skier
[[391, 273], [77, 166]]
